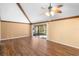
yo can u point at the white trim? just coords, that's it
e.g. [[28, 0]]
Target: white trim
[[32, 30], [47, 30], [12, 38]]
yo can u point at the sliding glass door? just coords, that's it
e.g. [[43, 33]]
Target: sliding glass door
[[40, 30]]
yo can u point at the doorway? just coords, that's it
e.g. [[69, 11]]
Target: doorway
[[40, 30]]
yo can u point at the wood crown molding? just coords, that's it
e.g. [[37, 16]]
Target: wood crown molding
[[66, 18], [13, 22]]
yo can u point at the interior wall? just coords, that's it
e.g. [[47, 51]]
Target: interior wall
[[65, 32], [0, 29], [14, 30]]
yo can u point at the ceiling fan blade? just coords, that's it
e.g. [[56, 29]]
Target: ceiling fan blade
[[59, 6], [56, 10], [59, 11], [43, 7]]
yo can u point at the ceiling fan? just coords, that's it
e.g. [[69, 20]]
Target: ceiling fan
[[52, 10]]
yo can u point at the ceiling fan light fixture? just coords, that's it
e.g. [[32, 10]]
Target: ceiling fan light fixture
[[49, 13], [53, 9], [52, 13]]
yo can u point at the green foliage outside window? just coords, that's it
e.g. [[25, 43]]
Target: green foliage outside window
[[40, 30]]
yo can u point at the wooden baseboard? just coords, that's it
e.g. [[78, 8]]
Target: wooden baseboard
[[13, 38], [65, 44]]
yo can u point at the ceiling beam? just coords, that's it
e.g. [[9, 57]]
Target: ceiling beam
[[23, 12]]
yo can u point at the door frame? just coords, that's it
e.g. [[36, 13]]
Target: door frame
[[41, 24]]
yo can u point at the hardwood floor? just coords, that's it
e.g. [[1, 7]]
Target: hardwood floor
[[35, 47]]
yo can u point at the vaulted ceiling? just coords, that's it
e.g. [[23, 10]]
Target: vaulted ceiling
[[35, 12]]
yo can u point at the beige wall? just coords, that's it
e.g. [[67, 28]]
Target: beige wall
[[64, 32], [0, 29], [13, 30]]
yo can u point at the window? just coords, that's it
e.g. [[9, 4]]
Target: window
[[39, 30]]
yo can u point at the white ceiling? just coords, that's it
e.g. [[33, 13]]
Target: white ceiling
[[11, 12]]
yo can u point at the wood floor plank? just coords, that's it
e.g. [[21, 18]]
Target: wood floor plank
[[35, 47]]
